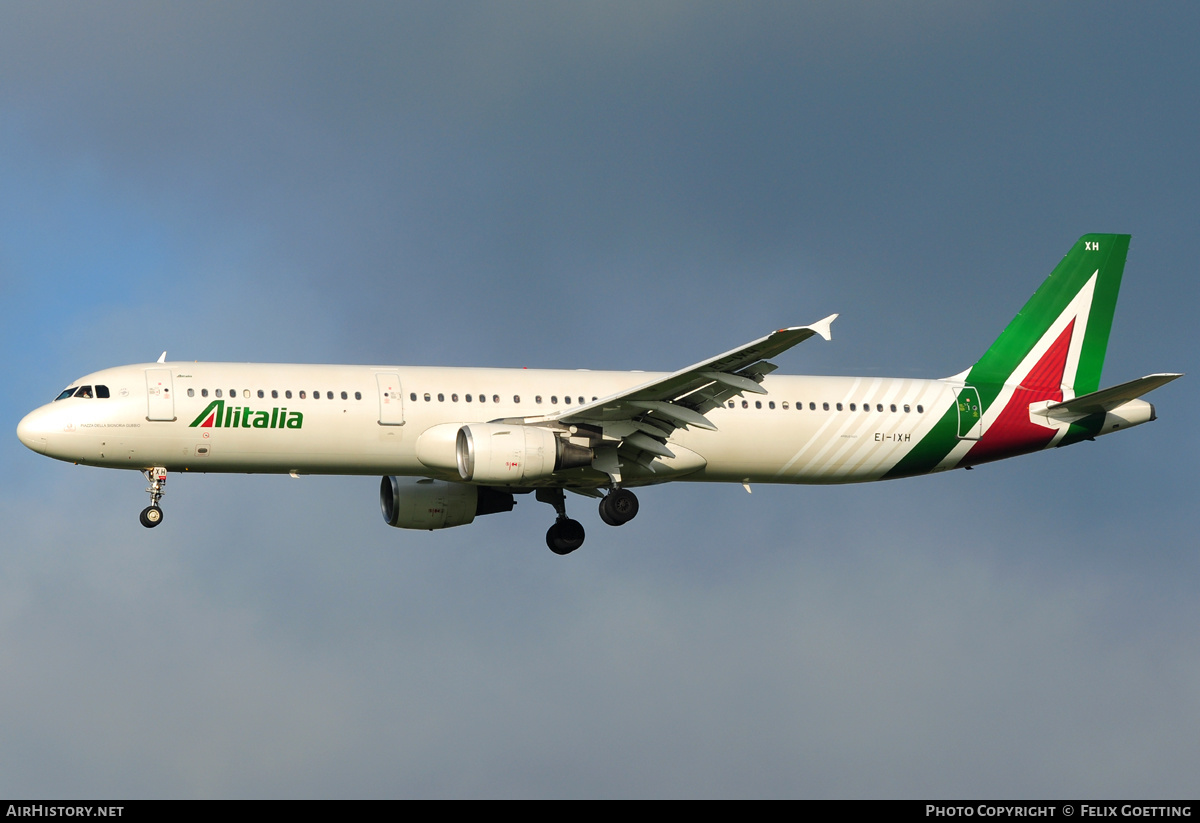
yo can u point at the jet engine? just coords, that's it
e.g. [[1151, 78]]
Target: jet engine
[[421, 503], [509, 455]]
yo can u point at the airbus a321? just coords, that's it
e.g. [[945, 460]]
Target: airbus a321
[[456, 443]]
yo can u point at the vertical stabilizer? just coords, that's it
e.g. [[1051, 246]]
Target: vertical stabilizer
[[1052, 351], [1067, 320]]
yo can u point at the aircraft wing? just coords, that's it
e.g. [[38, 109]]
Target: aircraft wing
[[639, 420], [1107, 399]]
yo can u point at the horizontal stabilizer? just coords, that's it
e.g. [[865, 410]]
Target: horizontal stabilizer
[[1105, 400]]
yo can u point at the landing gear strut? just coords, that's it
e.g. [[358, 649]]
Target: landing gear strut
[[566, 535], [152, 515], [618, 507]]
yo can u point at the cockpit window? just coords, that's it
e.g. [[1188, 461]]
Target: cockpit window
[[102, 391], [84, 391], [66, 393]]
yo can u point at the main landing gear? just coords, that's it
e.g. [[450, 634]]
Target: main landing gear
[[566, 535], [618, 507], [152, 515]]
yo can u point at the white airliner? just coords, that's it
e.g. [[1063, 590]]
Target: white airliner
[[454, 443]]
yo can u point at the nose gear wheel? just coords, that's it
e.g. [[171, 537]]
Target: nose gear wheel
[[152, 515]]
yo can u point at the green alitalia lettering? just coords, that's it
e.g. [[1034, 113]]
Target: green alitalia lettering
[[217, 415]]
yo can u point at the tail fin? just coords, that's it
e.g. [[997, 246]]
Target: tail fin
[[1059, 338], [1050, 354]]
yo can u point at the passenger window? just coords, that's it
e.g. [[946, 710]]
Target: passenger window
[[441, 397], [758, 404], [920, 409], [345, 396], [204, 392], [495, 398], [785, 405], [246, 393], [554, 399], [839, 406], [427, 397], [411, 396], [274, 394], [261, 395], [893, 407], [316, 395], [328, 395], [516, 398], [358, 396], [813, 407], [454, 398], [731, 404], [467, 398], [851, 407], [906, 408], [745, 404], [537, 399], [218, 392], [191, 392], [771, 404], [288, 394], [303, 396], [483, 398]]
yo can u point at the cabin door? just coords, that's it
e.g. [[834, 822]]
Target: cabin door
[[970, 418], [160, 405], [391, 400]]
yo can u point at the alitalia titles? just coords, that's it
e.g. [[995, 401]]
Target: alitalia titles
[[219, 416]]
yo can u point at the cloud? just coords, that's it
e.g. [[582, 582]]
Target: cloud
[[601, 186]]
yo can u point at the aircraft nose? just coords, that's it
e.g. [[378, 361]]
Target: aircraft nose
[[31, 433]]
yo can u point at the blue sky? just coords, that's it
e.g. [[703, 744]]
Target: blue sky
[[615, 185]]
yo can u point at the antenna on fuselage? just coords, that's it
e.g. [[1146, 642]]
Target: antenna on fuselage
[[162, 358]]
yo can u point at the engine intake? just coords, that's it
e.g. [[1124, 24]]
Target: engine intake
[[421, 503], [509, 455]]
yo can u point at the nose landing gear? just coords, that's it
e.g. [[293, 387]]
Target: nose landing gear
[[152, 515]]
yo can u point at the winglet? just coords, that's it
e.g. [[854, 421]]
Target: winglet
[[821, 327], [162, 358]]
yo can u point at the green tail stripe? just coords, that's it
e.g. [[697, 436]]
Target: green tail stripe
[[924, 456], [1103, 253]]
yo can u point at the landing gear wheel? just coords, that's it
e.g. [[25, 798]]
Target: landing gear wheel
[[619, 507], [565, 536], [151, 516]]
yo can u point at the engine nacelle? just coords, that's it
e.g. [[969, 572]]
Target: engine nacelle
[[421, 503], [512, 454]]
